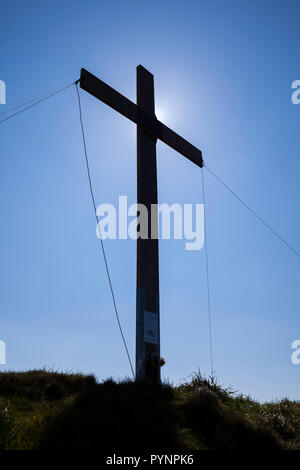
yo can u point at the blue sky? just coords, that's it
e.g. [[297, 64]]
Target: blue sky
[[223, 72]]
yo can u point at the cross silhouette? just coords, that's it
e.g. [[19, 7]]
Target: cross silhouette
[[149, 129]]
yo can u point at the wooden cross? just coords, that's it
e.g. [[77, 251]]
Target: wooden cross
[[149, 129]]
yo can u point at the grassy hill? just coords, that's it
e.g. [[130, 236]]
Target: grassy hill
[[54, 411]]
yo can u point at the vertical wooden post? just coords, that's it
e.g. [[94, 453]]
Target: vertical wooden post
[[147, 301]]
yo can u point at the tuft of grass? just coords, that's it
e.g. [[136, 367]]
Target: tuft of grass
[[196, 381], [50, 410]]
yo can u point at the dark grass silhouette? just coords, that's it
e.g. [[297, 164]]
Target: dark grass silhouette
[[36, 385], [114, 416], [54, 411], [220, 428], [30, 400]]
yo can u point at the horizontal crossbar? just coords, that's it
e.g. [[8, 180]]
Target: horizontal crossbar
[[150, 123]]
